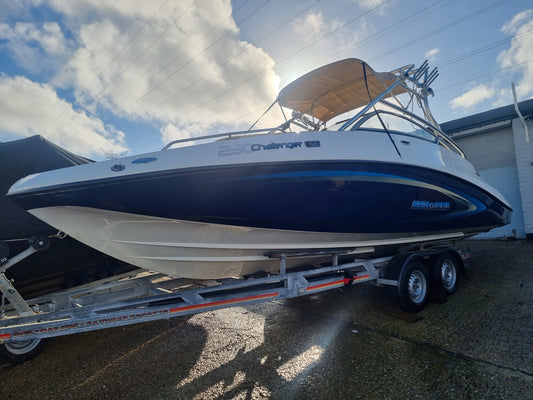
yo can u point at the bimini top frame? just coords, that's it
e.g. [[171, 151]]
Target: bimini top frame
[[348, 85], [351, 84]]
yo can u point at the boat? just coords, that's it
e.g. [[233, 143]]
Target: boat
[[235, 204]]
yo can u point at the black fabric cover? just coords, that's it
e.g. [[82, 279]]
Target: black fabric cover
[[67, 262], [21, 158]]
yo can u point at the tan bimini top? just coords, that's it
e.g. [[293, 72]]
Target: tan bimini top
[[337, 88]]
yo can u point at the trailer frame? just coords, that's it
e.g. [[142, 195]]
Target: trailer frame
[[148, 296]]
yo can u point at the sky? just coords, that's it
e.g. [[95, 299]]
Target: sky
[[104, 79]]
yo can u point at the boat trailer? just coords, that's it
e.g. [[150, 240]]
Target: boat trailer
[[142, 296]]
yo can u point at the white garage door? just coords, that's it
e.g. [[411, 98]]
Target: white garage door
[[493, 155]]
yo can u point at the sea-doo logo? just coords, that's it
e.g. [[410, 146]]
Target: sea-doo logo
[[233, 150], [430, 205]]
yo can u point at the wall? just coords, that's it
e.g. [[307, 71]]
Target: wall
[[493, 154], [524, 162]]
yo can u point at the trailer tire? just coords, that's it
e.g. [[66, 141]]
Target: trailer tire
[[414, 286], [445, 273], [21, 351]]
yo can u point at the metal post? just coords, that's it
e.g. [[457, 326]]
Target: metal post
[[14, 297], [283, 264], [15, 259], [7, 288]]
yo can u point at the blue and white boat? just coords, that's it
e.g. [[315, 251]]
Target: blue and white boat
[[386, 177]]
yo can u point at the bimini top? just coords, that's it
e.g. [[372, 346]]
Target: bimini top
[[337, 88]]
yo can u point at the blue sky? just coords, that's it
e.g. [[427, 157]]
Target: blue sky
[[104, 79]]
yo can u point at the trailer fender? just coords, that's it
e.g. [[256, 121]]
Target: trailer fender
[[397, 266], [395, 269], [414, 280]]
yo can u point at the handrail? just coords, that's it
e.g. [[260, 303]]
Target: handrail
[[229, 134], [281, 128]]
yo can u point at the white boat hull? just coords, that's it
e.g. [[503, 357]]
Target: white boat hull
[[198, 250]]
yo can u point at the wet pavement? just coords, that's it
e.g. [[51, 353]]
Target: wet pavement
[[342, 344]]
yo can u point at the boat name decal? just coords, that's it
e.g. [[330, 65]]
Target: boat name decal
[[233, 150], [430, 205]]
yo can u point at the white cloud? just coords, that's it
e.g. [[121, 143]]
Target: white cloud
[[49, 37], [311, 26], [172, 132], [368, 4], [183, 64], [34, 48], [371, 4], [316, 35], [473, 97], [519, 53], [513, 26], [176, 65], [431, 54], [28, 108]]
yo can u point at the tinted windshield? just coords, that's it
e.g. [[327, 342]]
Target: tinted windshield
[[394, 123]]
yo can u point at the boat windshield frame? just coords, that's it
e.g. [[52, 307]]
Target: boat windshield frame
[[415, 83], [422, 125]]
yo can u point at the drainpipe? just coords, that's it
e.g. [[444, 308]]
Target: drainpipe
[[519, 113]]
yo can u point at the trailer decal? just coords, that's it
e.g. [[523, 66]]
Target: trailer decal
[[223, 302], [84, 324], [111, 320], [326, 285], [345, 281]]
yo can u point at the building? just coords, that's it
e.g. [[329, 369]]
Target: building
[[500, 146]]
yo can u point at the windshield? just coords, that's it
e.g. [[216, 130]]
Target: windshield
[[393, 123]]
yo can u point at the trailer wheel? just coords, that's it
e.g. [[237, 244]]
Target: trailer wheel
[[446, 273], [414, 287], [20, 351]]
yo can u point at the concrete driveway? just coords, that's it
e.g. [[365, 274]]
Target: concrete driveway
[[351, 344]]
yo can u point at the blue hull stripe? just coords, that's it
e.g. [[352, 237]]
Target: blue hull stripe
[[477, 206], [343, 196]]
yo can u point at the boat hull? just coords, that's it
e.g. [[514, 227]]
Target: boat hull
[[199, 250]]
